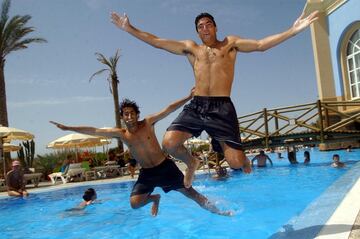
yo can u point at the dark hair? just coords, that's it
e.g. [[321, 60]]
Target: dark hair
[[88, 194], [336, 155], [202, 15], [129, 103], [307, 154]]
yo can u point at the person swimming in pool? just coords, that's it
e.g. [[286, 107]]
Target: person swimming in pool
[[213, 64], [157, 169], [89, 197]]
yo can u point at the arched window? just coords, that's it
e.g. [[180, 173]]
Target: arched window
[[353, 60]]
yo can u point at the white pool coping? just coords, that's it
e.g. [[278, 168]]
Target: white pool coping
[[342, 220]]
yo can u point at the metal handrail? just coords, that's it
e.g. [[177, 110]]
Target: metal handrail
[[310, 117]]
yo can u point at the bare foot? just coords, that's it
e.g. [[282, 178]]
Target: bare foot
[[155, 206], [190, 171]]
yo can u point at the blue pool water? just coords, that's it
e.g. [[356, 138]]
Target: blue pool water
[[266, 203]]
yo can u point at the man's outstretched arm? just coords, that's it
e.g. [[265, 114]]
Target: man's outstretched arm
[[110, 133], [248, 45], [170, 108], [176, 47]]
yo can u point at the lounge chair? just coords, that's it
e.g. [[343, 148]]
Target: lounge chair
[[33, 177], [73, 171], [55, 176]]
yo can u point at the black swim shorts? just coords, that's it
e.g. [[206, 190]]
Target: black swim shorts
[[166, 175], [215, 115]]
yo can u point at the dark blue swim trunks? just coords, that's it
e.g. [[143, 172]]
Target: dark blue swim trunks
[[215, 115], [166, 175]]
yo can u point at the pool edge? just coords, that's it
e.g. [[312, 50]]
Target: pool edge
[[344, 215]]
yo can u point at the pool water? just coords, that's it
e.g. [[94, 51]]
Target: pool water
[[264, 202]]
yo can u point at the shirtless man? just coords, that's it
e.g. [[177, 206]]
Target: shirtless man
[[157, 170], [213, 66], [261, 159]]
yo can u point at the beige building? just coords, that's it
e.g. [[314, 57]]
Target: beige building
[[336, 46]]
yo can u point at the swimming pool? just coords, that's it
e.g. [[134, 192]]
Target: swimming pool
[[263, 203]]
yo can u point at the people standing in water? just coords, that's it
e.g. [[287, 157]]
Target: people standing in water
[[261, 159], [306, 157], [213, 64], [157, 169], [336, 162]]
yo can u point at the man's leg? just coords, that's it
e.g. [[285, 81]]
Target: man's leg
[[14, 194], [173, 144], [202, 201], [137, 201], [236, 158]]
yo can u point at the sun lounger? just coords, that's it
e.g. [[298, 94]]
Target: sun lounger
[[55, 176], [74, 171], [33, 177], [108, 171]]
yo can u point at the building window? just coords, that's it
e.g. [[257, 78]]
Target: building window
[[353, 60]]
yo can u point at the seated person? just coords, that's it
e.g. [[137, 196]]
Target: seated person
[[336, 162], [261, 159], [120, 160], [15, 181], [63, 169], [91, 163], [306, 157], [111, 157], [132, 166]]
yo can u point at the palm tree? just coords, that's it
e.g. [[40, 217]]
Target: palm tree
[[12, 33], [111, 64]]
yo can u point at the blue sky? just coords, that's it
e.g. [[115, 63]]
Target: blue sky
[[51, 81]]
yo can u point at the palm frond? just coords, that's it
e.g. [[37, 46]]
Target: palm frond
[[13, 33], [16, 45], [111, 63], [114, 60], [102, 59], [98, 73], [5, 11], [16, 25]]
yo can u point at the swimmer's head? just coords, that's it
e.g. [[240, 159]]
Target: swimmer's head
[[89, 195], [220, 171], [336, 157]]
